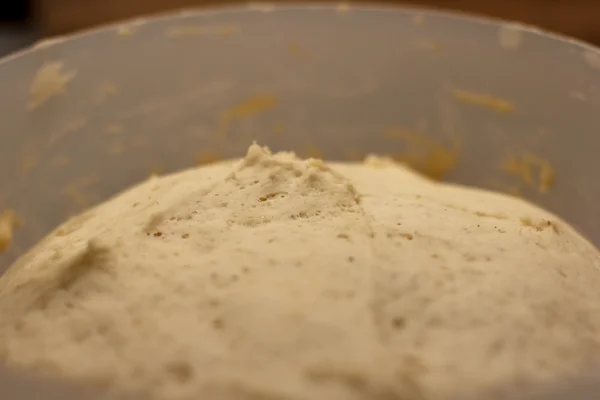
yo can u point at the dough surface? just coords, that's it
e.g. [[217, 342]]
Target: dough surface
[[285, 279]]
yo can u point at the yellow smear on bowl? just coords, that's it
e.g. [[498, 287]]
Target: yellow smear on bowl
[[208, 157], [425, 155], [493, 103], [535, 171], [251, 106], [49, 81], [8, 223], [299, 51]]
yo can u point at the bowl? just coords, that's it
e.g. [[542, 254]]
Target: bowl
[[467, 100]]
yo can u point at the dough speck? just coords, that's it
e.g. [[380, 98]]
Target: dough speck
[[49, 81], [537, 172], [425, 155], [208, 157], [493, 103], [8, 222], [275, 277], [250, 107]]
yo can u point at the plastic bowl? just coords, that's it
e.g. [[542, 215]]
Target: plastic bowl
[[469, 100]]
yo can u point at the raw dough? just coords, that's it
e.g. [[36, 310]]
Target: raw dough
[[280, 278]]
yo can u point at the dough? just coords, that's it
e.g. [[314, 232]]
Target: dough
[[279, 278]]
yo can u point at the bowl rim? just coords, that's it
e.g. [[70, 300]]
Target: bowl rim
[[272, 8]]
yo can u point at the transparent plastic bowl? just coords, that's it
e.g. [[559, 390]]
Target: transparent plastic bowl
[[474, 101]]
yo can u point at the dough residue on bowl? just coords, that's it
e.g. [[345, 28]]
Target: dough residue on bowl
[[537, 172], [49, 81], [428, 156], [490, 102], [8, 223], [249, 107]]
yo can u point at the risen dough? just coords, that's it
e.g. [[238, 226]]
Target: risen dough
[[280, 278]]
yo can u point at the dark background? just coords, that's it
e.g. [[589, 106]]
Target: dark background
[[17, 26], [15, 11]]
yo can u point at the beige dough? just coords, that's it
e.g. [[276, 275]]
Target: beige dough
[[286, 279]]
